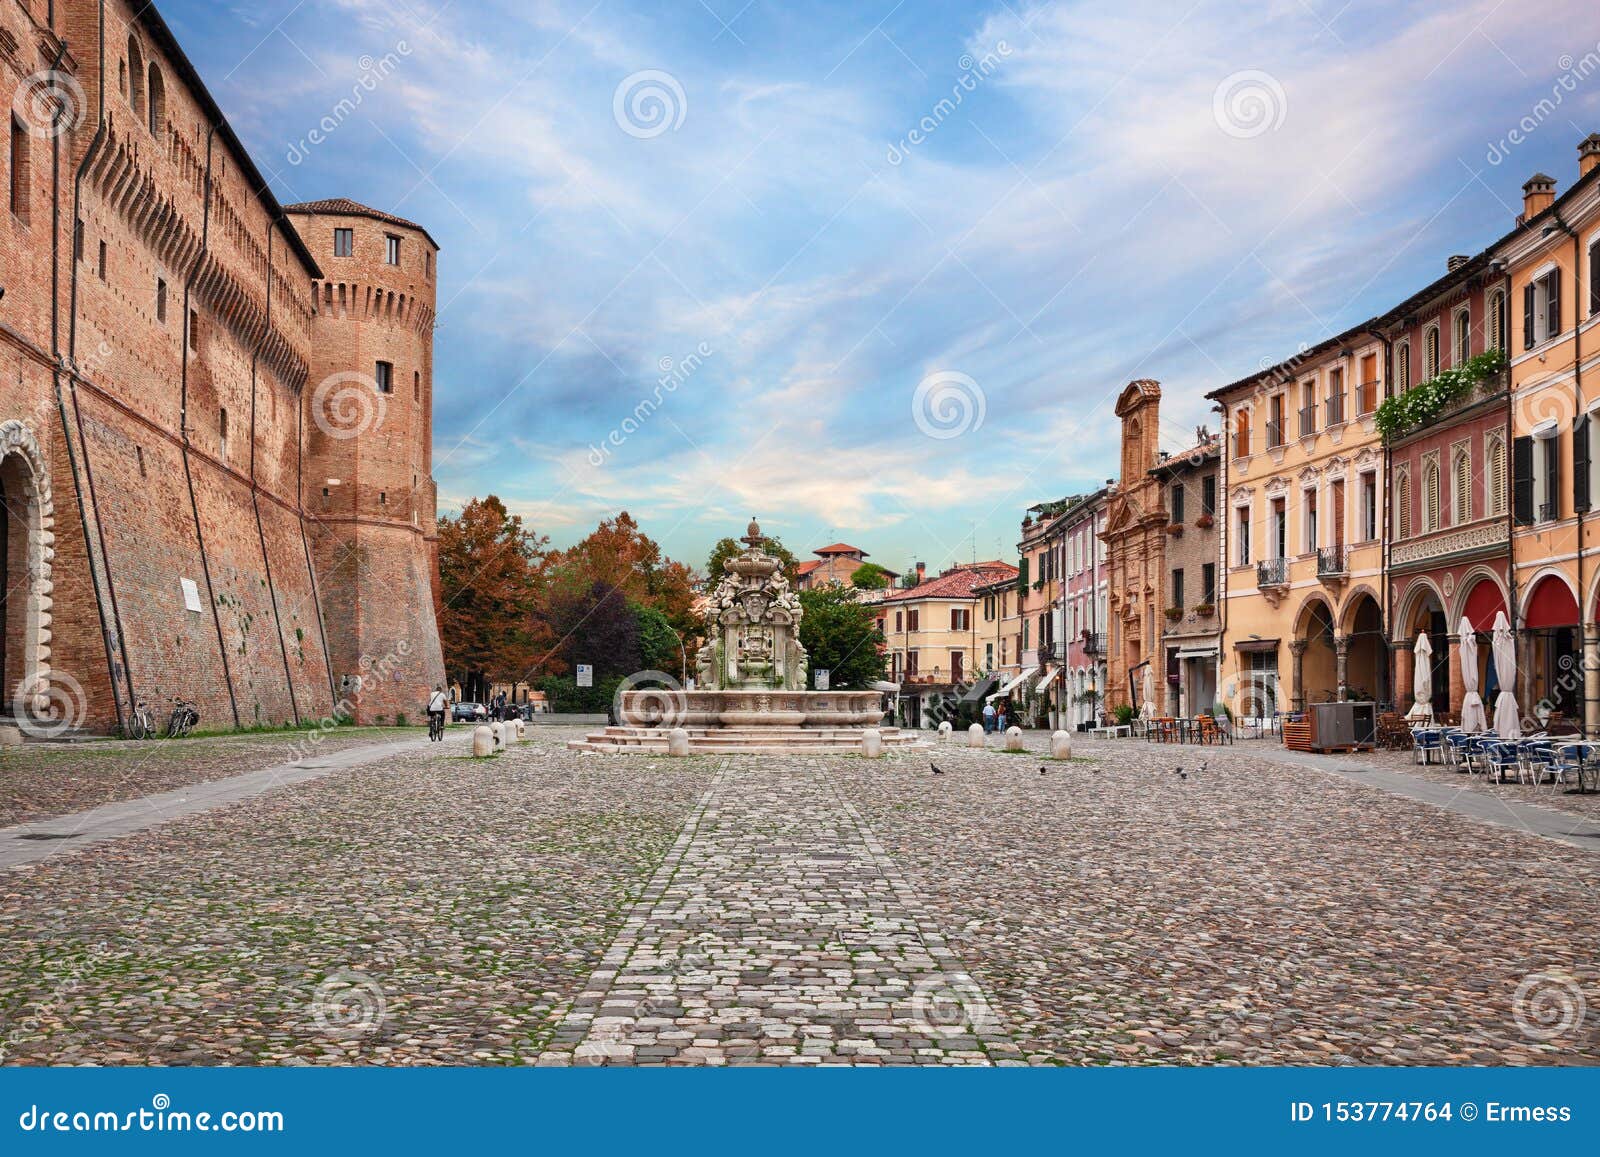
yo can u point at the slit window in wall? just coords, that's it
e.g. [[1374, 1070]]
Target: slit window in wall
[[194, 329], [139, 453], [344, 242], [427, 264], [222, 434], [383, 498], [77, 240], [325, 498], [101, 268], [19, 168], [391, 249], [416, 385], [161, 299], [384, 375], [158, 101]]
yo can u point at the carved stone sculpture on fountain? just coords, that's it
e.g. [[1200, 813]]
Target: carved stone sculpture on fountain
[[752, 626]]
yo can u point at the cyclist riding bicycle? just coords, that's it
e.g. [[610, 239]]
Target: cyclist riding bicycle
[[436, 706]]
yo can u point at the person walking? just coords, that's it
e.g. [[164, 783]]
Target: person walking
[[1002, 717], [436, 706], [988, 718]]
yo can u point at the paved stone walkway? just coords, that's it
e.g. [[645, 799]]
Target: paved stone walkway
[[778, 931]]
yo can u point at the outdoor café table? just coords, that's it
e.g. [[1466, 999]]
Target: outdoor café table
[[1588, 764]]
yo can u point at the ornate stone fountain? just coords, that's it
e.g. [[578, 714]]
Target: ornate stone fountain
[[751, 679]]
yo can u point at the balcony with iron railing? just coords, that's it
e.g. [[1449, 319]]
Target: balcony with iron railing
[[1549, 511], [1334, 405], [1308, 420], [1272, 572], [1274, 435], [1094, 643], [1331, 562]]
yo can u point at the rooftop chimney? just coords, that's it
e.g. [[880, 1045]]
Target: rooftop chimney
[[1538, 194], [1588, 154], [922, 570], [1456, 261]]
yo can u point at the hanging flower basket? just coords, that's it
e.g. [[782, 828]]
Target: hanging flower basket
[[1174, 613], [1175, 529], [1205, 522], [1205, 610]]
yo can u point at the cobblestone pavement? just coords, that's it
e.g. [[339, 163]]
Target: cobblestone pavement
[[563, 907], [39, 780], [1545, 795], [777, 932]]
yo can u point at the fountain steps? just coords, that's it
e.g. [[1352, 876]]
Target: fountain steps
[[741, 740]]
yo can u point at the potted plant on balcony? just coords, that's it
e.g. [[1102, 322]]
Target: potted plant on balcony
[[1174, 614], [1205, 610], [1175, 529], [1205, 522]]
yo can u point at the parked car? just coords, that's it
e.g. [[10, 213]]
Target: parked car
[[464, 712]]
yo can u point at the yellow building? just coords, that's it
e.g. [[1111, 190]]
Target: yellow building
[[932, 637], [1552, 266], [1302, 530]]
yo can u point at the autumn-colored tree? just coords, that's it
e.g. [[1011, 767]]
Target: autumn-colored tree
[[618, 554], [493, 586]]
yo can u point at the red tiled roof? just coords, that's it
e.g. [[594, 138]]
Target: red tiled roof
[[961, 582], [840, 548], [345, 207], [808, 567]]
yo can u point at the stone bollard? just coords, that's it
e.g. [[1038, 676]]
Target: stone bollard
[[522, 731], [975, 735], [944, 731], [1013, 739], [872, 743], [1061, 745], [482, 741], [677, 742], [497, 732]]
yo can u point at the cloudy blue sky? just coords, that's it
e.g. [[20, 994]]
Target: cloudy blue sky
[[1176, 191]]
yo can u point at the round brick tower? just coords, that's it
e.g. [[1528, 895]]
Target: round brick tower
[[368, 489]]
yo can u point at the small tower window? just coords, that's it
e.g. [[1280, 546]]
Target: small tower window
[[222, 433], [161, 300], [344, 242], [102, 266], [158, 101], [194, 329], [391, 249], [385, 377], [416, 385]]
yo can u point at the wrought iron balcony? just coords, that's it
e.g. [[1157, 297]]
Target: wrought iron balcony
[[1272, 572], [1549, 511], [1274, 435], [1335, 409], [1330, 561], [1094, 643], [1308, 420]]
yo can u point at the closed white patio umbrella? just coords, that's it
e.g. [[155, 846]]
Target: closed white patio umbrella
[[1422, 677], [1148, 708], [1503, 646], [1472, 717]]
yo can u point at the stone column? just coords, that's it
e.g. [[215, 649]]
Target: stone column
[[1297, 687], [1458, 687], [1341, 656], [1404, 661]]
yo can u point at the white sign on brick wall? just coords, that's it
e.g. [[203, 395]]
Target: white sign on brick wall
[[191, 594]]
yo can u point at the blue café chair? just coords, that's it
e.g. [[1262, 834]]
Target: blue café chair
[[1424, 743], [1500, 758], [1569, 758], [1538, 759], [1457, 746]]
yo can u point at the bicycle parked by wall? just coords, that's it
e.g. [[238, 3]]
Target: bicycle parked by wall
[[184, 716], [141, 723]]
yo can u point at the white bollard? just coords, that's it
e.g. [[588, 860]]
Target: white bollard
[[944, 731], [522, 731], [1013, 739], [677, 742], [1061, 745], [975, 735], [872, 743], [482, 741], [497, 732]]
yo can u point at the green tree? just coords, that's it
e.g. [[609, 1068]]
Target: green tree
[[659, 645], [869, 576], [841, 636], [727, 548]]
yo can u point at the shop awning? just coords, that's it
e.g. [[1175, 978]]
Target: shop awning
[[1006, 690], [886, 688], [1048, 679], [978, 690], [1198, 653], [1256, 645]]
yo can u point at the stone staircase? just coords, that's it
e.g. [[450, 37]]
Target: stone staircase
[[744, 740]]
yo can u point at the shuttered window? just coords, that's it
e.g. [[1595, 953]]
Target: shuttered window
[[1430, 353], [1402, 368], [1522, 480], [1430, 497], [1594, 279], [1402, 503], [1496, 334], [1530, 311], [1494, 449], [1580, 462], [1462, 469]]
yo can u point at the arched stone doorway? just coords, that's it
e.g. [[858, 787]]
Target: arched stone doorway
[[1315, 655], [1423, 613], [27, 553], [1366, 659], [1548, 645]]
